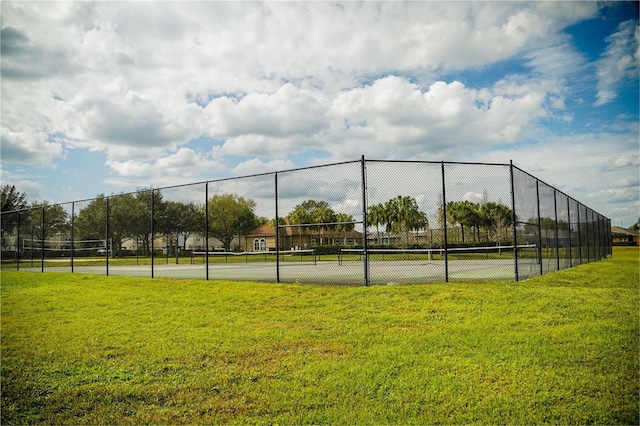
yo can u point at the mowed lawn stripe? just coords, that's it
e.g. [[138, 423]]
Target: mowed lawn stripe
[[562, 348]]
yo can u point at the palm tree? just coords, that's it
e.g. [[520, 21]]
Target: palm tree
[[300, 217], [418, 220], [345, 224], [469, 215], [497, 218], [403, 216], [323, 214], [376, 217]]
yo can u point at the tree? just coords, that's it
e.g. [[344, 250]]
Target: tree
[[313, 212], [272, 222], [454, 215], [169, 222], [418, 220], [56, 220], [141, 216], [344, 224], [192, 222], [464, 213], [496, 217], [403, 216], [229, 216], [91, 223], [11, 200], [376, 217]]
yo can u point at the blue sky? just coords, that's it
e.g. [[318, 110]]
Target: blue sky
[[104, 97]]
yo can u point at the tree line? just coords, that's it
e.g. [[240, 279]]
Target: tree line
[[231, 216], [494, 218]]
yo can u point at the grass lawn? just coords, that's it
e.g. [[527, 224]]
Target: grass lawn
[[561, 349]]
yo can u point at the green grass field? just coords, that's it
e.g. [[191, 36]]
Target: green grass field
[[559, 349]]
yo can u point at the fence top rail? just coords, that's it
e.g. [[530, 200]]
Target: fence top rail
[[468, 163], [151, 189]]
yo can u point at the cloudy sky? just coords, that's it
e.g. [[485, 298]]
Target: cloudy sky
[[104, 97]]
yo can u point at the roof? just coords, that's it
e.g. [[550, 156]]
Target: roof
[[268, 229], [616, 230]]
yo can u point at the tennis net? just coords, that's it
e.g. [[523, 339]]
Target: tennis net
[[432, 254], [65, 247], [224, 257]]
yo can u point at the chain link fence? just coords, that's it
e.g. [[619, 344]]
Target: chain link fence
[[353, 223]]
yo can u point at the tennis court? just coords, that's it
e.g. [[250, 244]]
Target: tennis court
[[384, 266]]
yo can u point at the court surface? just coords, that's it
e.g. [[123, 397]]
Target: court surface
[[325, 272]]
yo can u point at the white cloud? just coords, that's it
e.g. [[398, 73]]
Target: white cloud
[[29, 147], [395, 118], [626, 212], [289, 111], [257, 166], [184, 166], [24, 183], [626, 161], [619, 62], [113, 116], [168, 53], [615, 195]]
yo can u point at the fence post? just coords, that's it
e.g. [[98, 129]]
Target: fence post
[[579, 235], [153, 193], [73, 214], [444, 225], [599, 240], [277, 229], [42, 240], [18, 244], [609, 239], [513, 221], [539, 227], [365, 224], [588, 236], [555, 212], [569, 225], [106, 235], [206, 229]]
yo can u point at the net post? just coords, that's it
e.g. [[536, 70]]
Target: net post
[[444, 225], [277, 228], [206, 229], [513, 221], [364, 221]]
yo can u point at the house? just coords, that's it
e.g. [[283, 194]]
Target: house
[[621, 236], [293, 237]]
